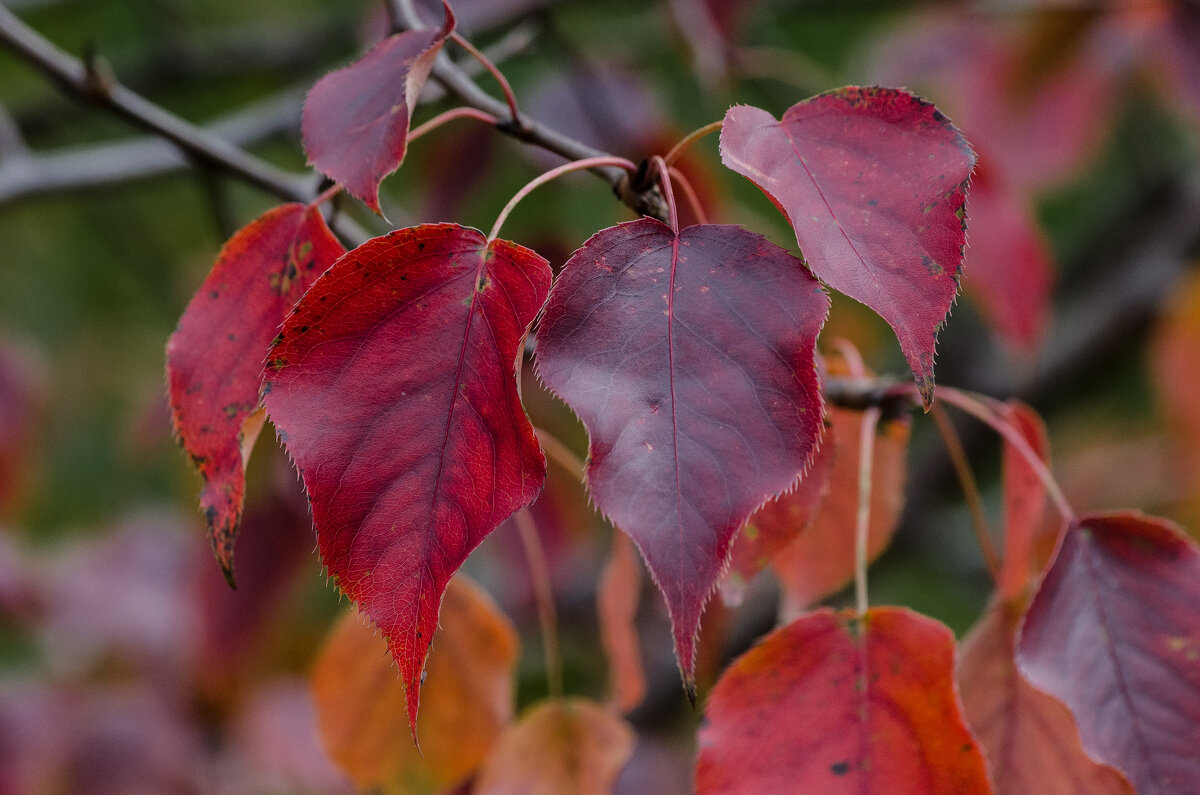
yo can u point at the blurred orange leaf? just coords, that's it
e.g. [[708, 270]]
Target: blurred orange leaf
[[821, 560], [617, 600], [467, 698], [560, 746]]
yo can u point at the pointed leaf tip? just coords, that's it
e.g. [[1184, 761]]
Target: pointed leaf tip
[[690, 360], [393, 384], [874, 183]]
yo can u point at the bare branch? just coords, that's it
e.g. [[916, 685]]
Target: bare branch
[[642, 199]]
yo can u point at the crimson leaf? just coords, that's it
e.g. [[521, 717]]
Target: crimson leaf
[[1114, 633], [215, 357], [873, 181], [392, 385], [689, 359], [355, 122]]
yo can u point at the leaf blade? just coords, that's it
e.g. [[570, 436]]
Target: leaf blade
[[873, 181], [393, 386]]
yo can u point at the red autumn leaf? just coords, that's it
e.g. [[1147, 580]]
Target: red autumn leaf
[[873, 181], [617, 598], [833, 703], [559, 746], [1030, 739], [821, 559], [215, 357], [689, 359], [393, 387], [1028, 537], [778, 523], [355, 123], [1114, 633]]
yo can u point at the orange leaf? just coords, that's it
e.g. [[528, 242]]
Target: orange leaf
[[567, 745], [821, 560], [1029, 737], [467, 697], [833, 703], [617, 600]]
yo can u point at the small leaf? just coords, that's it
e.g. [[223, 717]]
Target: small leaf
[[778, 523], [562, 746], [821, 560], [1114, 633], [1030, 738], [617, 598], [215, 357], [833, 703], [873, 181], [468, 697], [393, 386], [689, 359], [355, 123]]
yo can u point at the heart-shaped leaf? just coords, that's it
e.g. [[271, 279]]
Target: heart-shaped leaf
[[355, 121], [689, 358], [393, 387], [834, 703], [1114, 633], [873, 181], [215, 357]]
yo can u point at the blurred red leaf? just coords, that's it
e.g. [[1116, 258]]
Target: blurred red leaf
[[1009, 269], [1028, 537], [1114, 633], [1030, 739], [393, 386], [468, 697], [778, 523], [617, 598], [873, 181], [832, 703], [821, 559], [215, 357], [356, 119], [690, 360], [559, 746]]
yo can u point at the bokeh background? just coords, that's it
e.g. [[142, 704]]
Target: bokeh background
[[126, 663]]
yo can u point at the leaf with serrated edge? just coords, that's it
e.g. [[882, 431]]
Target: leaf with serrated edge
[[215, 357], [833, 703], [689, 359], [873, 181], [1114, 633], [355, 120], [393, 388]]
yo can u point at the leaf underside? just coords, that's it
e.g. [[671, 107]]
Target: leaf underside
[[393, 388], [690, 361]]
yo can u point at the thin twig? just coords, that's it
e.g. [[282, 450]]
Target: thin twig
[[450, 115], [969, 486], [458, 82], [691, 138], [497, 75], [539, 574], [554, 173], [689, 193]]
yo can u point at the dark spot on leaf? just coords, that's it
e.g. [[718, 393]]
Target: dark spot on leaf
[[840, 768], [213, 294]]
